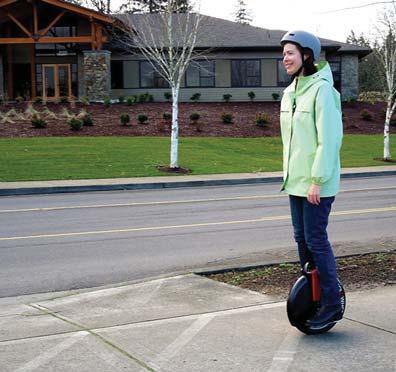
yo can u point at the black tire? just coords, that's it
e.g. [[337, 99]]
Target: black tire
[[300, 306]]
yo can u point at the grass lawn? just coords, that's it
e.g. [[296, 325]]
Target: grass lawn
[[54, 158]]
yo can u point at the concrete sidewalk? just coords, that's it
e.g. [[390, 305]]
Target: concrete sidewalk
[[161, 182], [189, 323]]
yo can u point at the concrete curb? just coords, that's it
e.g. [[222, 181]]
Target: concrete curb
[[243, 268], [166, 185]]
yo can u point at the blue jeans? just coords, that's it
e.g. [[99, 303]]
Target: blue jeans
[[310, 224]]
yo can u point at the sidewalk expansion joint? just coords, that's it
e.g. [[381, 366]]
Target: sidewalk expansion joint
[[264, 305], [91, 332], [370, 325]]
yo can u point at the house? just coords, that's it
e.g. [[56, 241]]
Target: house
[[53, 48]]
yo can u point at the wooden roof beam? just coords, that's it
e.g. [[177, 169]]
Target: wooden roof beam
[[19, 24], [52, 23], [49, 40], [81, 10], [35, 19], [7, 2]]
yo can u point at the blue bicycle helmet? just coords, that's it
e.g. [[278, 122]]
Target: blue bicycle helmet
[[304, 40]]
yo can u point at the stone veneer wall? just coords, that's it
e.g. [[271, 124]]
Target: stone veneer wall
[[80, 75], [349, 77], [1, 78], [97, 76]]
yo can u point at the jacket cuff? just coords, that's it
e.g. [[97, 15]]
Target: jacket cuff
[[317, 181]]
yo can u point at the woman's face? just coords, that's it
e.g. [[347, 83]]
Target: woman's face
[[291, 58]]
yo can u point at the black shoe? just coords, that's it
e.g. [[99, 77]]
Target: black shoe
[[325, 315]]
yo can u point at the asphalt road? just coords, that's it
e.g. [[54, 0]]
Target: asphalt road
[[66, 241]]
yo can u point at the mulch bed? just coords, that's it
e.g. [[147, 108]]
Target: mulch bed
[[356, 273], [107, 122]]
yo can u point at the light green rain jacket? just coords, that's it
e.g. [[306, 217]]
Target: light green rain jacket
[[311, 126]]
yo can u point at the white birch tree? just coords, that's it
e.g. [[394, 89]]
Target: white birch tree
[[385, 51], [168, 41]]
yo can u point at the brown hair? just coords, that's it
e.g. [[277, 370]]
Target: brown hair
[[308, 67]]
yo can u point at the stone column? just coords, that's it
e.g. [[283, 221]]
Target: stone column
[[80, 75], [349, 77], [1, 78], [96, 74]]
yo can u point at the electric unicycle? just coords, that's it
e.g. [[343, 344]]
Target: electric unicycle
[[304, 300]]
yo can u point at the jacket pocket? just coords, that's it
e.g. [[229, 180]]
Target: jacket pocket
[[285, 107]]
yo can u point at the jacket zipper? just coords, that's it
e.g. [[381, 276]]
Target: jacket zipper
[[294, 105]]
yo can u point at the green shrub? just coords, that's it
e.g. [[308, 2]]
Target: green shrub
[[227, 118], [64, 99], [167, 116], [142, 118], [366, 115], [275, 96], [121, 99], [125, 118], [88, 121], [38, 121], [142, 98], [145, 97], [195, 97], [75, 124], [227, 97], [131, 100], [252, 95], [107, 102], [194, 117], [262, 119], [352, 100], [86, 118], [19, 99], [168, 96], [38, 100], [84, 100]]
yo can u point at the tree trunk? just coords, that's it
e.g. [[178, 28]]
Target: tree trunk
[[175, 128], [389, 111]]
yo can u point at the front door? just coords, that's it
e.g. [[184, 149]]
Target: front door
[[56, 81]]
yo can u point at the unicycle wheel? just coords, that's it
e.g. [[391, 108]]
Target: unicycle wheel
[[300, 306]]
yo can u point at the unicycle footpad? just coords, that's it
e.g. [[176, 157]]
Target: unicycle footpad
[[300, 306]]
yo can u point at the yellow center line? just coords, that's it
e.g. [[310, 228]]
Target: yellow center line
[[204, 224], [167, 202]]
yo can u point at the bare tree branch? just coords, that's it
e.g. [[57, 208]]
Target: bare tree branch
[[168, 41]]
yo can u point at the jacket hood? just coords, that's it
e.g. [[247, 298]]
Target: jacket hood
[[304, 82]]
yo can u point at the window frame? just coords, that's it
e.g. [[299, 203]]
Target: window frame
[[338, 74], [212, 61], [121, 62], [278, 82], [247, 76], [155, 78]]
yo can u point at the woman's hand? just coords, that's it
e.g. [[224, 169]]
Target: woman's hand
[[314, 194]]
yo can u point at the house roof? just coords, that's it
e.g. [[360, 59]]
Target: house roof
[[221, 33], [69, 7]]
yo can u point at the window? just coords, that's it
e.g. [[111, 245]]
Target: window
[[56, 48], [336, 70], [200, 74], [245, 73], [283, 78], [150, 78], [117, 75]]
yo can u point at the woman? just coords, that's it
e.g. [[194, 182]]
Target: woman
[[311, 127]]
